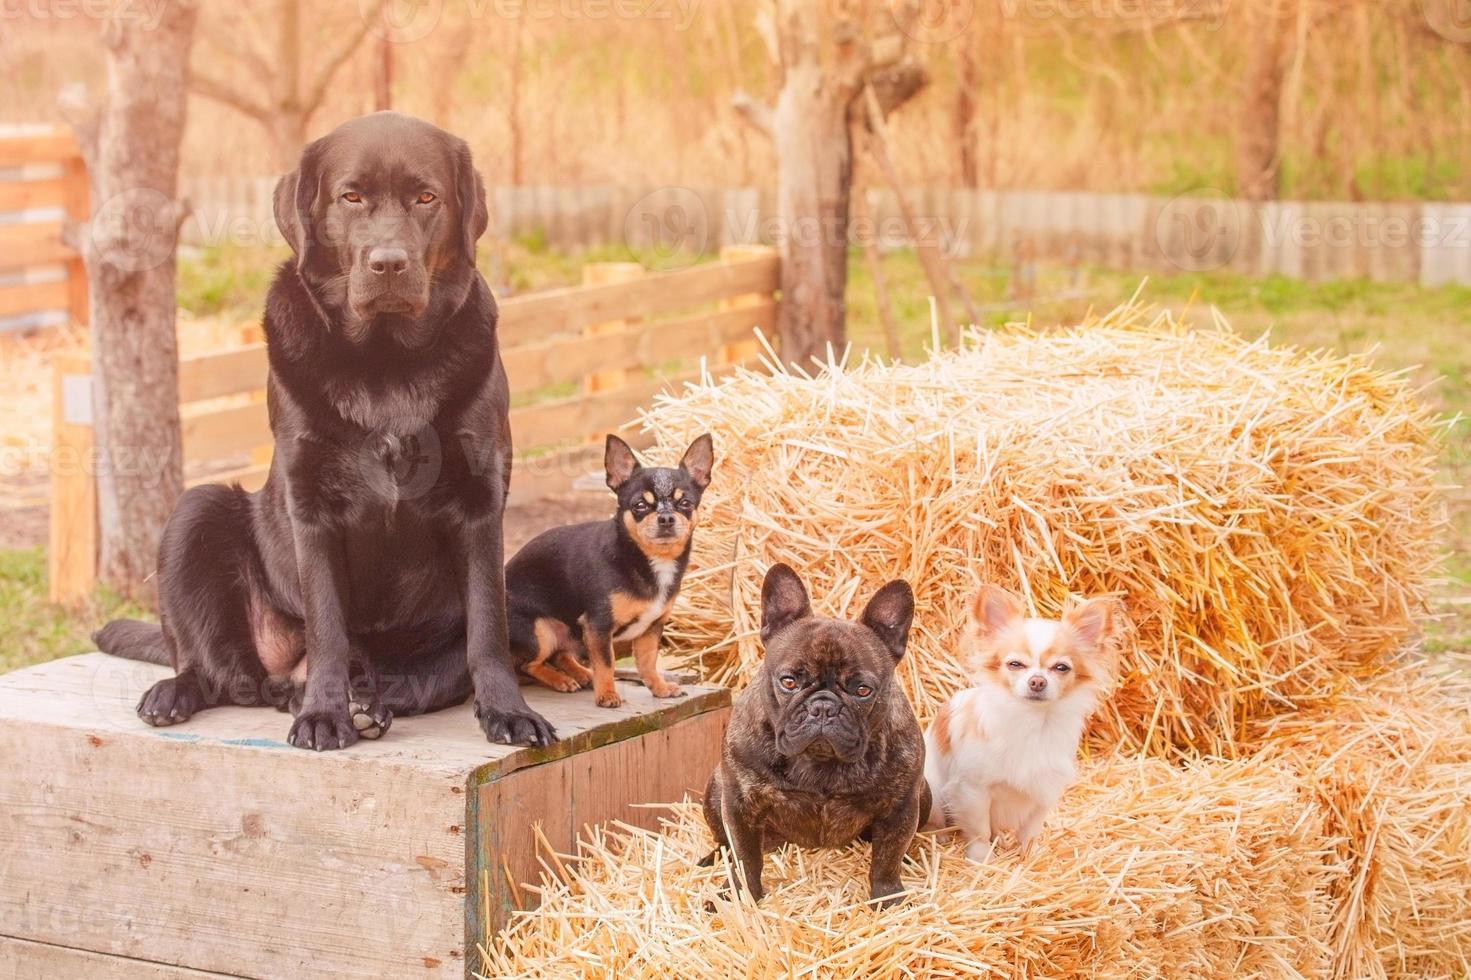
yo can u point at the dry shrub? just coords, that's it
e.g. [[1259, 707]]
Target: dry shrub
[[1267, 514]]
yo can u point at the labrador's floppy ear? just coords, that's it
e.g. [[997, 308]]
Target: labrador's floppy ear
[[295, 202], [619, 462], [783, 600], [889, 614], [470, 199]]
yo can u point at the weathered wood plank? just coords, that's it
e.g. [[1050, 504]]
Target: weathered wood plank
[[27, 297], [533, 366], [22, 195], [49, 147], [539, 316], [228, 372], [214, 846], [225, 432], [21, 959], [32, 244]]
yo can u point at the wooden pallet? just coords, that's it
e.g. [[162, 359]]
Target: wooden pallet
[[213, 848]]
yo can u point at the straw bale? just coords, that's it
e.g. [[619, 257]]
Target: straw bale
[[1267, 514], [1221, 869], [1342, 848]]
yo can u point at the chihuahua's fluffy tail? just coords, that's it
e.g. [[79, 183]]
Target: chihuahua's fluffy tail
[[134, 639]]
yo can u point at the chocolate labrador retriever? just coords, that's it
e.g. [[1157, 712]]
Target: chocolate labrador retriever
[[365, 578]]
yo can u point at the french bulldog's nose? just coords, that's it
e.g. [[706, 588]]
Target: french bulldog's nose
[[822, 709], [1036, 683], [666, 521], [388, 259]]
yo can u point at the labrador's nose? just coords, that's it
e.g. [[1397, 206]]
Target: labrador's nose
[[1037, 683], [388, 259]]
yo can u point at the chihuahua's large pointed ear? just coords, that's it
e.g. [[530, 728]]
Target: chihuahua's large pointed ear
[[783, 600], [699, 460], [470, 199], [993, 610], [619, 462], [889, 614], [295, 204], [1094, 621]]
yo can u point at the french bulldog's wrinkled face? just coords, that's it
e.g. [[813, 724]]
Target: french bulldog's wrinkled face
[[828, 680]]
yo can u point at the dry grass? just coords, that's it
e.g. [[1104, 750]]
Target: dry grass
[[1342, 849], [1268, 515]]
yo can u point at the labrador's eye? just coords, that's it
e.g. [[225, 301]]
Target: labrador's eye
[[353, 197], [426, 198], [788, 683]]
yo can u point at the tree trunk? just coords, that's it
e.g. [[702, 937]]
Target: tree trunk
[[1257, 150], [814, 175], [967, 83], [129, 253]]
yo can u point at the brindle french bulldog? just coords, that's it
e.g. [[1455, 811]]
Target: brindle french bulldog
[[823, 747]]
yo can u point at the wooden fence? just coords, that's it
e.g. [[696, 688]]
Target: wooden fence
[[581, 361], [1428, 243], [43, 184]]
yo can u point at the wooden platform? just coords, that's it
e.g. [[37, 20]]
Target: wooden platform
[[215, 849]]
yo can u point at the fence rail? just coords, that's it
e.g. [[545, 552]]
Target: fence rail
[[1428, 243], [43, 185], [617, 344]]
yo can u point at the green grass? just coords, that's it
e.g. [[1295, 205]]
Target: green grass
[[35, 630], [1428, 330]]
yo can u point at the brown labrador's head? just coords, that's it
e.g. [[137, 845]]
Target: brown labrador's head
[[383, 214]]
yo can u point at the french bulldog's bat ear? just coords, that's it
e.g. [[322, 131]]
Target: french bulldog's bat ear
[[1094, 621], [783, 600], [699, 460], [619, 462], [993, 610], [889, 614]]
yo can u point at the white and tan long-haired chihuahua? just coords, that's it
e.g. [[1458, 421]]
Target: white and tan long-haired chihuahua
[[999, 755]]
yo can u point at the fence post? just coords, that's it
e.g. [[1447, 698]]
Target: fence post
[[77, 199], [743, 350], [600, 274], [72, 555]]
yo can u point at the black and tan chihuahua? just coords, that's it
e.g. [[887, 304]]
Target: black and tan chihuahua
[[583, 587]]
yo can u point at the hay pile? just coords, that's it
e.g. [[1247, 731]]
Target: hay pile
[[1267, 514], [1274, 791], [1342, 849]]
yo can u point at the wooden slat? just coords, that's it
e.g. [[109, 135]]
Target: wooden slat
[[38, 244], [230, 372], [21, 195], [21, 958], [71, 558], [533, 366], [584, 415], [52, 147], [225, 432], [28, 297], [538, 316]]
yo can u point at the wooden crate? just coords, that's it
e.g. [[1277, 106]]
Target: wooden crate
[[212, 848]]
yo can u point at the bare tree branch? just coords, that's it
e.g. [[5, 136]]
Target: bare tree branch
[[214, 89], [238, 46], [753, 112], [318, 91]]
